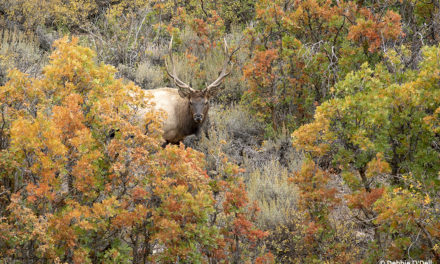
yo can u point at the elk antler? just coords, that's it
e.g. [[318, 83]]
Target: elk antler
[[224, 72], [173, 76]]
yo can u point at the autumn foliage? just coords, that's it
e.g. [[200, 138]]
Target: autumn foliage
[[376, 132], [331, 109], [71, 192], [301, 49]]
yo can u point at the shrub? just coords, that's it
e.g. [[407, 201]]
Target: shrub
[[378, 133], [70, 192]]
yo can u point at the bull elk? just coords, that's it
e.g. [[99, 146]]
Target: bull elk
[[186, 108]]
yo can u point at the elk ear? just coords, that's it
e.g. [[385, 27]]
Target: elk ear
[[184, 92]]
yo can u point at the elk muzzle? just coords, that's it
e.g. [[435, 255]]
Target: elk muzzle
[[198, 118]]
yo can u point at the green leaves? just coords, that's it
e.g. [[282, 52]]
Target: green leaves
[[376, 130]]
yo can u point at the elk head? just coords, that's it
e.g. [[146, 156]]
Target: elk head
[[199, 99]]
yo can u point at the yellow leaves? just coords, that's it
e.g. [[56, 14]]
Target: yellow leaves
[[84, 175], [377, 166], [394, 59], [82, 140], [24, 133], [427, 199], [351, 179], [87, 165], [436, 248], [72, 70], [16, 87], [69, 117], [398, 206], [361, 139], [314, 137], [106, 208], [80, 256], [401, 211], [433, 120], [39, 137], [307, 138]]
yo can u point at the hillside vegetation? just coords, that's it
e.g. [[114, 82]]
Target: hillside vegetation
[[322, 145]]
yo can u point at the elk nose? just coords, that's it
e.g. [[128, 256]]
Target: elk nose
[[198, 117]]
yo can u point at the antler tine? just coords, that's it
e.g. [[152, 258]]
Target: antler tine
[[223, 73], [226, 46], [173, 75]]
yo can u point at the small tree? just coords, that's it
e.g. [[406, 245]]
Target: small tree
[[81, 180], [378, 133]]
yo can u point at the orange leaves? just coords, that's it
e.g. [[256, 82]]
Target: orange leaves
[[200, 27], [72, 70], [311, 230], [242, 226], [364, 199], [37, 149], [377, 166], [316, 196], [312, 11], [69, 118], [183, 164], [391, 25], [261, 74], [236, 198], [265, 259], [259, 71], [89, 181], [60, 149], [374, 30], [84, 175], [239, 214], [139, 194], [270, 13], [19, 95], [315, 137]]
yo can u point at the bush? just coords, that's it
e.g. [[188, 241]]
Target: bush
[[380, 131], [70, 192]]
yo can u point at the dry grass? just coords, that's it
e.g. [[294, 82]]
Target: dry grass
[[276, 197], [235, 134], [267, 180], [149, 76], [21, 51]]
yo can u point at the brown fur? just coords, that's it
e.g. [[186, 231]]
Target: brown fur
[[180, 120], [186, 108]]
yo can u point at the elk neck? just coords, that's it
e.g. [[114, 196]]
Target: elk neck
[[189, 126]]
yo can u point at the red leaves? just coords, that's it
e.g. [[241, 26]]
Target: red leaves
[[375, 30], [259, 71], [93, 189], [236, 198], [311, 230], [316, 196], [69, 118], [363, 199], [265, 259]]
